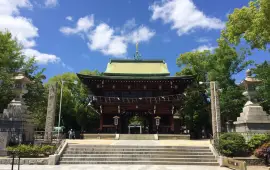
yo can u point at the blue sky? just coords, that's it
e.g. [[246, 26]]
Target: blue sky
[[73, 35]]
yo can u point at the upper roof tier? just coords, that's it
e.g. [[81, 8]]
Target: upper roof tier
[[137, 68]]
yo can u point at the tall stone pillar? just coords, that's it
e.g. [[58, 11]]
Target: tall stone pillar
[[213, 109], [50, 118]]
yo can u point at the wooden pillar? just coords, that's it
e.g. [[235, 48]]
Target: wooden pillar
[[176, 123], [101, 122], [120, 124], [172, 124]]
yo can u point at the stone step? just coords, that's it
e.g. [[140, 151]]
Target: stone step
[[135, 146], [202, 156], [138, 152], [145, 153], [143, 162], [136, 137], [135, 149], [71, 159]]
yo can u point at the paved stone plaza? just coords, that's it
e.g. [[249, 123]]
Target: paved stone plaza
[[120, 167], [113, 167]]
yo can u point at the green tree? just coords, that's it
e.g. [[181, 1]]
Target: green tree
[[262, 72], [75, 113], [251, 23], [219, 65], [11, 60]]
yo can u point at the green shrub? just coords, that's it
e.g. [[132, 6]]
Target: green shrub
[[257, 140], [232, 144], [31, 151]]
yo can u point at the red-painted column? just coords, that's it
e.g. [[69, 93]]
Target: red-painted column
[[101, 122], [172, 123]]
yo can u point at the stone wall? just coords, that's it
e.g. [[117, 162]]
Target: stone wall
[[251, 160], [25, 161]]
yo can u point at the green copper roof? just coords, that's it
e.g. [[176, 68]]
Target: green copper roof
[[91, 77], [137, 68]]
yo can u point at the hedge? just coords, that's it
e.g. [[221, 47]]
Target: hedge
[[232, 144], [257, 140], [32, 151]]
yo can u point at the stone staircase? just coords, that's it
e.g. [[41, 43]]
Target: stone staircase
[[155, 155], [136, 137]]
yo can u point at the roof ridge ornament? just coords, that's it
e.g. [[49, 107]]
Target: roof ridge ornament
[[137, 55]]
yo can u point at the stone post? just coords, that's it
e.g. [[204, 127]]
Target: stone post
[[50, 118], [215, 108]]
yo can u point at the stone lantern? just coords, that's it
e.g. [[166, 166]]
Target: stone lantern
[[16, 116], [253, 119], [17, 108], [250, 84], [20, 86]]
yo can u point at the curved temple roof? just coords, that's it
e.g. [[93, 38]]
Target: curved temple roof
[[137, 68]]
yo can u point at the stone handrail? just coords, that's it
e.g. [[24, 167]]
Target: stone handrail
[[233, 164], [53, 159]]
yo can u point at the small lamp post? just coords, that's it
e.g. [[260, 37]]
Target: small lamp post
[[60, 106], [157, 122], [115, 118]]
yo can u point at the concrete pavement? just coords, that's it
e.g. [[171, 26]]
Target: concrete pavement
[[112, 167]]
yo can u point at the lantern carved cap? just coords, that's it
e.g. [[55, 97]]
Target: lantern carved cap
[[21, 78], [249, 79]]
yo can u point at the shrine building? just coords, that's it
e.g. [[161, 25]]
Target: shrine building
[[132, 94]]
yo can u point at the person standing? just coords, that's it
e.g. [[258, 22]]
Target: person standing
[[70, 134]]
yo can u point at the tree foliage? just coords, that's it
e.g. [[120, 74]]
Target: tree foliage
[[262, 72], [11, 60], [251, 23], [75, 113], [219, 65]]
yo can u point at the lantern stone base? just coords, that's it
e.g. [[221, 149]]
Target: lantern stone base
[[253, 119]]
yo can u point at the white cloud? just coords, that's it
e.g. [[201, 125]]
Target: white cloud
[[11, 7], [82, 25], [69, 18], [184, 16], [129, 24], [51, 3], [141, 34], [100, 37], [22, 28], [117, 47], [67, 67], [203, 40], [205, 47], [112, 41], [41, 58]]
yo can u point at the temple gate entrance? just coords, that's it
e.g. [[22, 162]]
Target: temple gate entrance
[[134, 122]]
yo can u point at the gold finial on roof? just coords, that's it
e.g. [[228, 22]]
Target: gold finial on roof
[[137, 55]]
